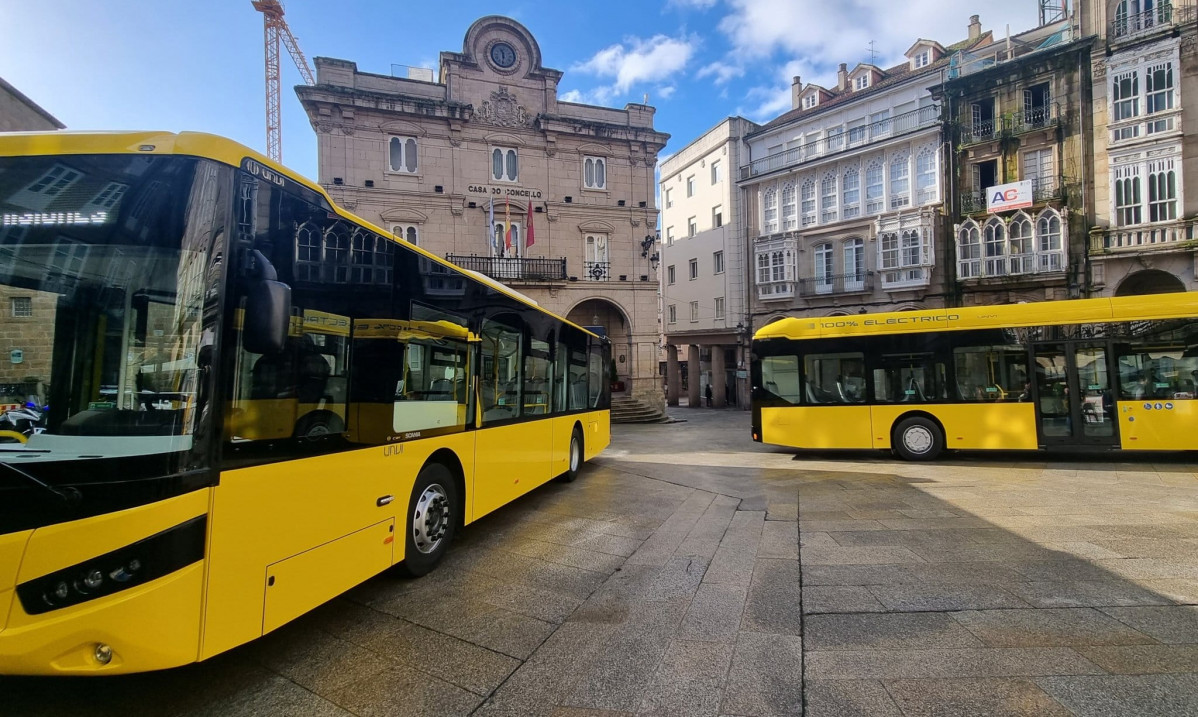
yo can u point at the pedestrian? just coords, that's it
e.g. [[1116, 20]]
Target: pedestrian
[[707, 394]]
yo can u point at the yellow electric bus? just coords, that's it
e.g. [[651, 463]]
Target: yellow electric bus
[[1103, 374], [254, 399]]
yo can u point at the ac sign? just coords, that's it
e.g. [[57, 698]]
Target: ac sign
[[1005, 197]]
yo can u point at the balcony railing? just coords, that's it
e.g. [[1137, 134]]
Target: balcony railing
[[836, 284], [596, 271], [1027, 120], [1046, 189], [1161, 17], [774, 290], [513, 268], [850, 138], [1152, 237]]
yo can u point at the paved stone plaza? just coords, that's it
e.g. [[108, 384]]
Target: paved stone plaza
[[666, 580]]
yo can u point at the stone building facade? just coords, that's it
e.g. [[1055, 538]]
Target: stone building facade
[[844, 193], [1145, 109], [704, 267], [1019, 124], [452, 163], [18, 113]]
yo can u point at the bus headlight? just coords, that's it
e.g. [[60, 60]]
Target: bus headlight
[[140, 562], [103, 653]]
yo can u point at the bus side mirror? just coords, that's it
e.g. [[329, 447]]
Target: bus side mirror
[[267, 317]]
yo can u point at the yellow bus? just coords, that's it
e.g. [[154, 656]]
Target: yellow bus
[[255, 400], [1102, 374]]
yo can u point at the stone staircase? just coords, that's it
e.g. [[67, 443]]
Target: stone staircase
[[625, 409]]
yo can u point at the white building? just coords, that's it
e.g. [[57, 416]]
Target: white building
[[1145, 87], [844, 192], [703, 266]]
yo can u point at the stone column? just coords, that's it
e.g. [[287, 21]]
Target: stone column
[[719, 390], [693, 377], [673, 375]]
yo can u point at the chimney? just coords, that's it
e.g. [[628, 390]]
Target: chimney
[[842, 77], [975, 27], [795, 88]]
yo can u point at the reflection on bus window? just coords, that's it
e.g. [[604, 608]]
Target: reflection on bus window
[[597, 375], [991, 373], [538, 378], [834, 378], [500, 392], [780, 376], [578, 380], [910, 378], [1163, 365]]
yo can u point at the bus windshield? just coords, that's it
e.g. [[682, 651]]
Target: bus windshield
[[105, 269]]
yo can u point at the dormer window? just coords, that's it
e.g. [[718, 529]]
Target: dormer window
[[922, 59], [861, 82], [811, 100]]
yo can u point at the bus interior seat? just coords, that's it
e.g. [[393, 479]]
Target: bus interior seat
[[810, 393]]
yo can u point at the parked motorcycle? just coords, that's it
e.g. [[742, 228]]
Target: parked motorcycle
[[26, 420]]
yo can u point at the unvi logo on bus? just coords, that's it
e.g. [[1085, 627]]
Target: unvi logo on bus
[[1015, 195]]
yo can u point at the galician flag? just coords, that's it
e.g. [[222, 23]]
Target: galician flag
[[528, 228], [507, 223]]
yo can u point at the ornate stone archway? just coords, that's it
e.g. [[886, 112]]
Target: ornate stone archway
[[1149, 281]]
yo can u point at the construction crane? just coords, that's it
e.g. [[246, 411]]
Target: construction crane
[[274, 27]]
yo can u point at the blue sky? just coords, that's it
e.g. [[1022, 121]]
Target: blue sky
[[175, 65]]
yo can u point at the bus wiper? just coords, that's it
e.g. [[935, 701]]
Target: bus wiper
[[70, 496]]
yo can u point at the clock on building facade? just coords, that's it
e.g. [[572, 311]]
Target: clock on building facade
[[503, 55]]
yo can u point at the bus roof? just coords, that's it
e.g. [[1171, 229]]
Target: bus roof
[[220, 149], [1045, 313]]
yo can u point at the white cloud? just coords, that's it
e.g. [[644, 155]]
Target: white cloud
[[636, 61], [722, 71], [666, 92], [692, 4], [841, 32]]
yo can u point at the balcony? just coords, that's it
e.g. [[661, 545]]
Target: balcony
[[513, 268], [596, 270], [1017, 123], [1162, 17], [775, 290], [852, 138], [1181, 234], [1044, 190], [836, 284]]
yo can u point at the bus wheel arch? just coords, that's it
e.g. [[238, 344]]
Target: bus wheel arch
[[427, 531], [576, 454], [917, 436]]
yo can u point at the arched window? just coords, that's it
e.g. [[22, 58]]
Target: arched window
[[336, 253], [769, 218], [824, 269], [854, 264], [874, 183], [1019, 244], [308, 241], [994, 244], [790, 218], [827, 198], [969, 250], [1048, 241], [851, 203], [900, 181], [809, 202], [925, 175]]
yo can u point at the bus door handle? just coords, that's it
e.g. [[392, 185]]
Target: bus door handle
[[384, 500]]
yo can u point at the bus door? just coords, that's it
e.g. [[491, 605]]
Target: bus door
[[1073, 394]]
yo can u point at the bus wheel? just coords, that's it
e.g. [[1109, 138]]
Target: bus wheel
[[575, 457], [318, 423], [430, 521], [918, 439]]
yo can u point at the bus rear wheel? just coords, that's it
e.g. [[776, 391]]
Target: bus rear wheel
[[430, 521], [918, 439], [575, 458]]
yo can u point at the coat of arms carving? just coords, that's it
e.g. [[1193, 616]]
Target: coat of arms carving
[[503, 110]]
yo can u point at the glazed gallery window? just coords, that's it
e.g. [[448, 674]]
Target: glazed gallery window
[[402, 155], [504, 165]]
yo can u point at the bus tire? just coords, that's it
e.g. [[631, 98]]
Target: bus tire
[[918, 439], [575, 458], [430, 523]]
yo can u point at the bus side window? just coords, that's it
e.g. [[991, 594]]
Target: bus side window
[[780, 376], [835, 378], [501, 386]]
